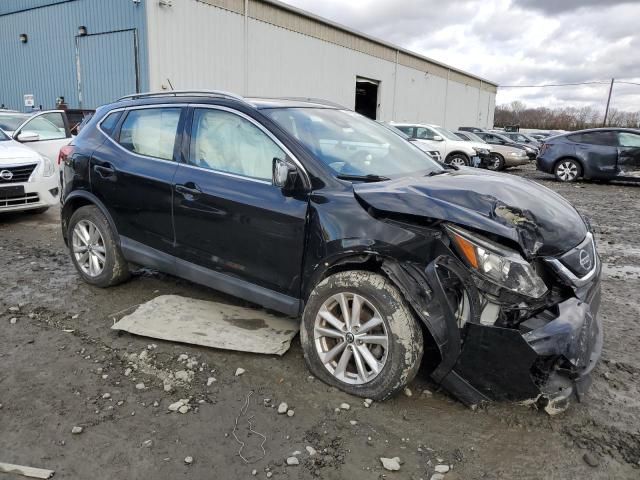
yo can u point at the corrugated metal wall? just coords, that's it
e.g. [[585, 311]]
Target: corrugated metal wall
[[46, 65], [271, 60]]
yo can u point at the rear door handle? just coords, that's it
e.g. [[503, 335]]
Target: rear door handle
[[190, 189], [104, 171]]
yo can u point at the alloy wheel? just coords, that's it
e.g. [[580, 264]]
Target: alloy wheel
[[351, 338], [88, 248], [458, 162], [567, 171]]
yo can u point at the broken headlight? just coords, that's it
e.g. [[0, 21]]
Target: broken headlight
[[498, 264]]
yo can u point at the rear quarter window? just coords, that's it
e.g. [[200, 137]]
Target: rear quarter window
[[109, 123]]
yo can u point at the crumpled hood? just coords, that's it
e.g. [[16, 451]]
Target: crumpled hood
[[12, 152], [538, 219]]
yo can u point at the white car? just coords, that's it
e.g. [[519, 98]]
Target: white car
[[28, 180], [445, 145], [46, 132]]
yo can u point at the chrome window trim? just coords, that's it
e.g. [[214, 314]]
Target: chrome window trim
[[305, 176], [139, 107], [569, 275], [229, 174]]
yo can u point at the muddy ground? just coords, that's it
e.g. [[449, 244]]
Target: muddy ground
[[61, 366]]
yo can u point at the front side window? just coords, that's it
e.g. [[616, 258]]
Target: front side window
[[350, 144], [48, 126], [597, 138], [626, 139], [226, 142], [405, 130], [151, 132]]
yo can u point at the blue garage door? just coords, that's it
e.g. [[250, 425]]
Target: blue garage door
[[107, 67]]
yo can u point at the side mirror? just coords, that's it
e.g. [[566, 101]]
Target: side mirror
[[285, 174], [438, 138], [28, 137]]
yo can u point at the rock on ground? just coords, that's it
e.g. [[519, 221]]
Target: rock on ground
[[391, 464]]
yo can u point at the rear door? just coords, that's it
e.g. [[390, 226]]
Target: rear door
[[228, 215], [45, 132], [629, 154], [598, 151], [132, 172]]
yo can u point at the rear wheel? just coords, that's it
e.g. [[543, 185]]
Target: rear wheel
[[457, 160], [496, 163], [568, 170], [358, 334], [94, 250]]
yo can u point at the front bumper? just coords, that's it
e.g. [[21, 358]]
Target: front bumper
[[510, 161], [39, 193], [547, 361]]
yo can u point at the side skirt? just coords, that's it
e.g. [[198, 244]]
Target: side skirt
[[141, 254]]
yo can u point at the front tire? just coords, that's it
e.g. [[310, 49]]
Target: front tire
[[567, 170], [94, 250], [359, 335], [457, 160]]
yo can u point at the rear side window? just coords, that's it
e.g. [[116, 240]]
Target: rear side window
[[595, 138], [151, 131], [108, 125]]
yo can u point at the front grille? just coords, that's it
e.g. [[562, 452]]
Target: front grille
[[17, 174], [17, 201]]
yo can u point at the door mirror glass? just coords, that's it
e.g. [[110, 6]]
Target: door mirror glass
[[438, 138], [28, 136], [284, 174]]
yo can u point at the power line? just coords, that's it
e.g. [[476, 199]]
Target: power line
[[595, 82], [553, 85]]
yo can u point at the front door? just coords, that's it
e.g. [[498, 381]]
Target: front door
[[629, 154], [46, 133], [132, 173], [228, 215]]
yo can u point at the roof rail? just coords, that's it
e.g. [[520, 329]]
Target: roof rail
[[176, 93], [319, 101]]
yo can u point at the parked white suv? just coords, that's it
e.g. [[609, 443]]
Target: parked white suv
[[28, 180], [447, 146]]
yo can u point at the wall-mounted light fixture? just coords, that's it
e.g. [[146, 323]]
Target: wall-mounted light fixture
[[82, 31], [24, 38]]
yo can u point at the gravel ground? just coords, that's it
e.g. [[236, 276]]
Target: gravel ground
[[62, 367]]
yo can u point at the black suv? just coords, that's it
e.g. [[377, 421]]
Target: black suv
[[315, 211]]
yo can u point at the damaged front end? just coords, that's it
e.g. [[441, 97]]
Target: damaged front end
[[516, 335]]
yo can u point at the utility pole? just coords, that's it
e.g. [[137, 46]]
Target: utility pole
[[606, 112]]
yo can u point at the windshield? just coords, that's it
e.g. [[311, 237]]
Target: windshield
[[10, 122], [351, 144], [3, 136], [473, 137], [448, 134]]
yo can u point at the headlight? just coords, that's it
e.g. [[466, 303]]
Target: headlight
[[48, 168], [498, 264], [482, 151], [520, 153]]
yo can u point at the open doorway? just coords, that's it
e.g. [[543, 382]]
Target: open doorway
[[367, 97]]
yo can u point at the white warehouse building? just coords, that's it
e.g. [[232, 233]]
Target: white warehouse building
[[93, 51]]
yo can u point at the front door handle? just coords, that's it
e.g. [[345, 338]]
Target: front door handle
[[105, 170], [190, 189]]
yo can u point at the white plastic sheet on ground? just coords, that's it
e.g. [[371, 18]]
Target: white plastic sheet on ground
[[211, 324]]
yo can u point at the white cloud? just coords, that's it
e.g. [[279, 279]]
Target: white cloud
[[525, 42]]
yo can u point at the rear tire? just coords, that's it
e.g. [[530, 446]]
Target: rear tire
[[497, 163], [394, 346], [94, 250], [567, 170]]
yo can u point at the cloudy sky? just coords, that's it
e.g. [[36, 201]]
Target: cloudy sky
[[513, 42]]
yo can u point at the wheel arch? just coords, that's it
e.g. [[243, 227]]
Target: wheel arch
[[79, 199], [458, 152]]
